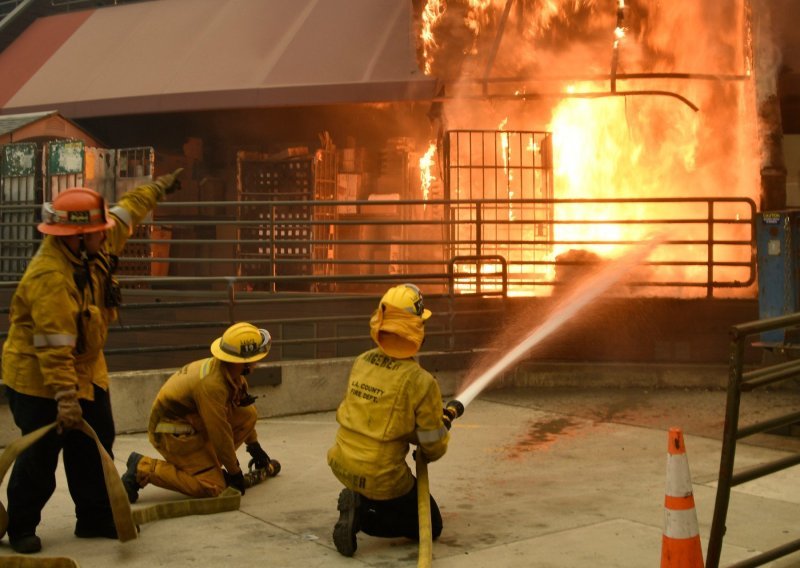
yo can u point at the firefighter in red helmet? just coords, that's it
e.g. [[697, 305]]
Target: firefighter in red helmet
[[53, 364], [390, 402]]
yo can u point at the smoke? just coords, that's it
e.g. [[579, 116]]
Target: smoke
[[766, 54]]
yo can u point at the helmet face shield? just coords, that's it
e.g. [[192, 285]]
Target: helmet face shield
[[398, 325], [242, 343]]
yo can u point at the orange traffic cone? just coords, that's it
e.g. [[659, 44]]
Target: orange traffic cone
[[680, 545]]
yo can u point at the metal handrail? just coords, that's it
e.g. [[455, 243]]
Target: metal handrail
[[284, 233], [740, 381]]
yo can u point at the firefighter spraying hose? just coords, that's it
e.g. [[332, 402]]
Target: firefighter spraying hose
[[588, 290], [390, 402]]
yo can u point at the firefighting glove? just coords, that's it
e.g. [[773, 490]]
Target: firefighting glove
[[447, 419], [69, 409], [235, 480], [169, 183], [260, 458]]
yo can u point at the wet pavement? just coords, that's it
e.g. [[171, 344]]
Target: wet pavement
[[534, 477]]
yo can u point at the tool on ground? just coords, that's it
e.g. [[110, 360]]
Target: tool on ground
[[261, 466], [256, 475]]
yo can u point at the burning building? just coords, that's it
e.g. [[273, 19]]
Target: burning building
[[646, 109], [526, 142]]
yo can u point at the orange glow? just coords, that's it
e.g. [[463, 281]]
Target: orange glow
[[609, 144]]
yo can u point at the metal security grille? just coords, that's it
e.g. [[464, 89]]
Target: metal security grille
[[506, 170], [130, 167], [325, 173], [278, 235], [18, 193]]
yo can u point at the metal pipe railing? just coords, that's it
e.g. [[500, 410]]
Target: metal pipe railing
[[740, 381], [531, 260]]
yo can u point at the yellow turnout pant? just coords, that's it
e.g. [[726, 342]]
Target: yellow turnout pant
[[190, 465]]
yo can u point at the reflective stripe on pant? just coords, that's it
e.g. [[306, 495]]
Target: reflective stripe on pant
[[190, 465], [33, 481]]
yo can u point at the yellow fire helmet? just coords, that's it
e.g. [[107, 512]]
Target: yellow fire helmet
[[397, 326], [242, 343], [408, 298]]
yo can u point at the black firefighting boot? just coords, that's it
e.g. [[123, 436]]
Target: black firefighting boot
[[344, 532], [129, 477], [26, 544]]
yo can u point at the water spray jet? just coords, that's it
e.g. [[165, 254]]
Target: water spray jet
[[584, 292]]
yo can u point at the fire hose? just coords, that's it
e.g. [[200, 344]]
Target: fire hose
[[256, 475], [126, 521], [452, 410]]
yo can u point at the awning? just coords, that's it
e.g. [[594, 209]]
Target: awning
[[182, 55]]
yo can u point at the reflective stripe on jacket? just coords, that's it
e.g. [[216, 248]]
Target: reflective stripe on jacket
[[58, 331], [389, 404], [203, 395]]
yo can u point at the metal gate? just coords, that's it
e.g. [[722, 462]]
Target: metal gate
[[277, 240], [31, 174], [18, 195], [506, 170]]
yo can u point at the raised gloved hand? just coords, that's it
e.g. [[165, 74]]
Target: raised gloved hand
[[169, 183], [235, 480], [69, 409]]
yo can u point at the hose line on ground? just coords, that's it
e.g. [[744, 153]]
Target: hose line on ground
[[424, 507]]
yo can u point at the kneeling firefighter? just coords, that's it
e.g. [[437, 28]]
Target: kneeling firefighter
[[390, 402], [201, 415]]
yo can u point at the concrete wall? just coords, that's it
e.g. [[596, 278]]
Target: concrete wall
[[298, 387], [304, 386]]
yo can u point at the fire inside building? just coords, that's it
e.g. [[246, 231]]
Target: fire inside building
[[621, 172], [482, 149]]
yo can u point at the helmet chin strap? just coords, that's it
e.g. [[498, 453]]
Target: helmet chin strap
[[84, 255], [82, 252]]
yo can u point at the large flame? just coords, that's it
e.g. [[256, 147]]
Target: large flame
[[606, 145], [426, 176], [431, 14]]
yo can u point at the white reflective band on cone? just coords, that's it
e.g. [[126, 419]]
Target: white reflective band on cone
[[680, 524], [679, 483]]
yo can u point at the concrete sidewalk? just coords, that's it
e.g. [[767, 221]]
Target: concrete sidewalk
[[533, 478]]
